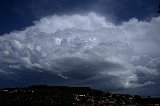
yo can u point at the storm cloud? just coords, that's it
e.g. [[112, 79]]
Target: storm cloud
[[83, 50]]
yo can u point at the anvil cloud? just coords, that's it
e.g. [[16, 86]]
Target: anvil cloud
[[82, 50]]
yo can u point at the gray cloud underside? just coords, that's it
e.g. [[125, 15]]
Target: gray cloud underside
[[84, 50]]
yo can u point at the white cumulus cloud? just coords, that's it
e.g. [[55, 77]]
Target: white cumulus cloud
[[82, 50]]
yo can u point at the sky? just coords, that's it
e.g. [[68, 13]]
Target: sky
[[111, 45]]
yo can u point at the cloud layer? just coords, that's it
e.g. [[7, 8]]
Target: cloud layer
[[85, 50]]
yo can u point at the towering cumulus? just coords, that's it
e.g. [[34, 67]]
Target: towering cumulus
[[83, 50]]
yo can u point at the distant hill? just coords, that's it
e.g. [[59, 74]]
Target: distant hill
[[43, 95]]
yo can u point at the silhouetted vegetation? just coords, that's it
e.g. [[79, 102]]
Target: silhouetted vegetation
[[42, 95]]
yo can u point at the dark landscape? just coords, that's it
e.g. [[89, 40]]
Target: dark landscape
[[79, 52], [43, 95]]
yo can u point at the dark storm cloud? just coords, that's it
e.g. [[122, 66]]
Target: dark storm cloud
[[122, 9], [21, 13], [83, 50], [84, 70]]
